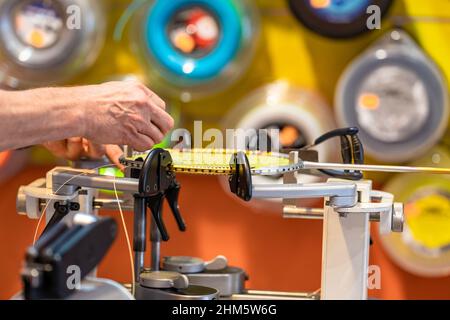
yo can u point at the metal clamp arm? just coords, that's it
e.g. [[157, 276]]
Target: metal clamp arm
[[156, 182], [341, 194], [172, 195], [155, 205]]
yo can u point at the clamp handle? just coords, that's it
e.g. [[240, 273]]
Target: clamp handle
[[241, 179], [156, 182], [172, 195], [352, 151], [155, 205]]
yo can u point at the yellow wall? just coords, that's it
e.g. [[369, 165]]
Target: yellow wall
[[287, 51]]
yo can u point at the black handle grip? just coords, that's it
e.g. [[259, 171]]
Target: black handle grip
[[358, 150], [172, 198], [346, 150], [155, 205], [241, 180]]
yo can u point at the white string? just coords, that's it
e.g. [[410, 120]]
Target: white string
[[121, 215], [56, 192]]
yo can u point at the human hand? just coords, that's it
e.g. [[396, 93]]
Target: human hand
[[124, 113], [76, 148]]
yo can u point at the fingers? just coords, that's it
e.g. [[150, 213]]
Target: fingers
[[74, 149], [128, 113], [141, 142], [93, 150], [162, 120], [114, 153], [160, 117], [70, 149], [156, 122], [151, 131], [153, 97]]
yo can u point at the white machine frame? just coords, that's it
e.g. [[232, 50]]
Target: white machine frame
[[348, 209]]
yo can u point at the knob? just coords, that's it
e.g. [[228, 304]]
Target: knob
[[163, 280], [398, 217], [218, 263], [21, 202]]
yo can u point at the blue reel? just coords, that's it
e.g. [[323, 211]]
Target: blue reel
[[197, 69]]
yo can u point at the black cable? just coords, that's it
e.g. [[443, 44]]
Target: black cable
[[358, 150], [352, 152]]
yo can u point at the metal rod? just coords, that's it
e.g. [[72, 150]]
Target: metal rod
[[292, 212], [139, 235], [92, 180], [138, 265], [281, 293], [378, 168], [307, 190], [128, 152], [112, 204], [273, 295], [155, 238]]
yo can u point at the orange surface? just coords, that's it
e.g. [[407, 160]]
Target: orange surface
[[278, 254]]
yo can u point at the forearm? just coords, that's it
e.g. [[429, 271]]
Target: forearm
[[36, 116]]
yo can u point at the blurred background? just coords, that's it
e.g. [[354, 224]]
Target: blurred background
[[302, 66]]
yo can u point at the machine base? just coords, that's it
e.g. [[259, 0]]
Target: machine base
[[193, 292], [228, 281]]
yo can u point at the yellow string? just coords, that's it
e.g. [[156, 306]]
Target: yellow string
[[127, 237]]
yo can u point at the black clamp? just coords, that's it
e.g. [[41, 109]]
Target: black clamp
[[241, 179], [61, 211], [66, 250], [156, 182], [352, 151]]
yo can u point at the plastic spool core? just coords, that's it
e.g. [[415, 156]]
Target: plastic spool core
[[289, 135], [41, 46], [397, 97], [423, 248], [392, 104], [342, 11], [428, 221], [39, 25], [196, 48], [194, 31], [301, 114], [336, 18]]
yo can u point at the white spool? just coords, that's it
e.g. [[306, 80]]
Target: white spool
[[48, 42], [421, 249], [281, 102], [397, 97]]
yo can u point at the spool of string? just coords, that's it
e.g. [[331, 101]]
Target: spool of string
[[424, 246]]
